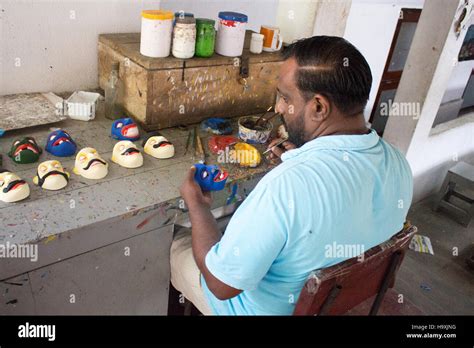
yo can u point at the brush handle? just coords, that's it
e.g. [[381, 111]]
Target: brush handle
[[277, 144], [265, 120]]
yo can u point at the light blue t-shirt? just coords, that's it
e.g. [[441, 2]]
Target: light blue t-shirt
[[329, 200]]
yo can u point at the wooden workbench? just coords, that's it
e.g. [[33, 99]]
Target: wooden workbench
[[103, 245]]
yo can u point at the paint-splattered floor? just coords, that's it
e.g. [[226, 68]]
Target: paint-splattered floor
[[439, 284]]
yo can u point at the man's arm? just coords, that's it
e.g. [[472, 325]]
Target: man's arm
[[205, 233]]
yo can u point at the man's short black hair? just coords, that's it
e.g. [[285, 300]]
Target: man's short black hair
[[333, 67]]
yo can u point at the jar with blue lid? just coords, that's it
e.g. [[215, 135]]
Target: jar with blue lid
[[231, 33]]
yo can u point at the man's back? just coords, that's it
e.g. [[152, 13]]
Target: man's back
[[330, 200]]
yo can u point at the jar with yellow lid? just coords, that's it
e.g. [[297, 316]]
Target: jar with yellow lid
[[157, 27]]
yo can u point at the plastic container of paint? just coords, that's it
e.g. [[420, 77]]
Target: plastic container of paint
[[157, 26], [256, 43], [205, 37], [231, 33], [184, 37]]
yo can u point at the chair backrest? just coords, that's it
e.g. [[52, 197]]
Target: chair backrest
[[349, 283]]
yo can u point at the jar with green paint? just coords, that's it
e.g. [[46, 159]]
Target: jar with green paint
[[205, 37]]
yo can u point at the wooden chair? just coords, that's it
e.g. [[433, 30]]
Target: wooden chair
[[339, 288]]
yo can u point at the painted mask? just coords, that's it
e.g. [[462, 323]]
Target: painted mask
[[158, 147], [247, 155], [90, 165], [210, 177], [25, 150], [60, 144], [125, 129], [126, 154], [51, 176], [219, 143], [12, 188]]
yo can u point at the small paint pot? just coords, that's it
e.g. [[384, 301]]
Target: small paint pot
[[252, 135]]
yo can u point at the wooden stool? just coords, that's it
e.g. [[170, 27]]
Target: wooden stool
[[461, 175]]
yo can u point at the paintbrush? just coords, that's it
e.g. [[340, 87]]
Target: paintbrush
[[200, 150], [188, 142], [258, 120], [277, 144], [267, 119]]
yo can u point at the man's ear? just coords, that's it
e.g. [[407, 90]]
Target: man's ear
[[321, 108]]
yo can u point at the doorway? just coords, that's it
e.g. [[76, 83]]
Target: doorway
[[401, 42]]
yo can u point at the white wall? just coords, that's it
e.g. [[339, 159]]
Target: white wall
[[430, 157], [258, 11], [295, 18], [51, 45], [433, 151], [458, 80], [370, 27]]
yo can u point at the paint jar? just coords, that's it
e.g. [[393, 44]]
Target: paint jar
[[184, 37], [252, 134], [231, 33], [256, 43], [157, 26], [205, 37]]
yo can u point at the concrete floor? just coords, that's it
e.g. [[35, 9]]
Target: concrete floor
[[442, 283]]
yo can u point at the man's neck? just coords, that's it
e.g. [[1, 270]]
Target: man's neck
[[342, 125]]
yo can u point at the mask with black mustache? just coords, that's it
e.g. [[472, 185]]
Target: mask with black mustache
[[90, 165], [41, 180], [158, 146], [161, 143], [126, 154], [92, 161], [130, 150], [12, 184], [12, 187]]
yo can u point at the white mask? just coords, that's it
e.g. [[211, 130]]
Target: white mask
[[51, 176], [90, 165], [159, 147], [12, 188], [126, 154]]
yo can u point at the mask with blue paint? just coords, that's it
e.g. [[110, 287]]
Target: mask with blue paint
[[210, 177], [125, 129], [60, 144]]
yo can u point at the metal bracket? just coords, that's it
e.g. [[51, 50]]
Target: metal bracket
[[244, 67]]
